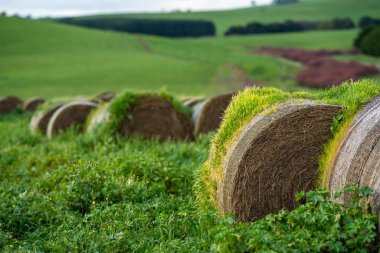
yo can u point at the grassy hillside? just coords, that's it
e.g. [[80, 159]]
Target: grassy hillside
[[49, 59], [304, 10], [67, 60]]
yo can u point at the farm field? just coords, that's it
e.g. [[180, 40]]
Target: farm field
[[61, 59], [282, 167], [90, 192]]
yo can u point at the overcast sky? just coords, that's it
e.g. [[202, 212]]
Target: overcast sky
[[38, 8]]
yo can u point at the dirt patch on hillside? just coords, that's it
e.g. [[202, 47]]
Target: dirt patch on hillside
[[321, 71], [144, 44]]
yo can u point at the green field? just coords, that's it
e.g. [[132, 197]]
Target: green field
[[304, 10], [64, 60], [97, 192], [88, 193]]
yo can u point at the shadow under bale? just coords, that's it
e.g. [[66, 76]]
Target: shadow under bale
[[358, 157], [70, 114], [9, 104], [31, 104], [209, 114], [274, 157]]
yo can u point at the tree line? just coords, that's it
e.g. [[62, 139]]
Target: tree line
[[159, 27], [291, 26]]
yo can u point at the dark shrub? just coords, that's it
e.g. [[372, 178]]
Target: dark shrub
[[363, 33], [291, 26], [342, 23], [370, 43], [368, 21]]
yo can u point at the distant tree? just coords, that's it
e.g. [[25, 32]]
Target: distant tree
[[160, 27], [369, 43], [253, 3], [368, 21], [284, 1], [3, 13]]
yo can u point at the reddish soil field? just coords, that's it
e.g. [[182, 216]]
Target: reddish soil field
[[321, 71]]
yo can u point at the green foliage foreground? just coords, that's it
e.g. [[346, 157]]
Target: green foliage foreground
[[82, 194]]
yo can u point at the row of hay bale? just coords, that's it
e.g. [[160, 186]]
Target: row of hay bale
[[148, 115], [273, 144], [11, 104]]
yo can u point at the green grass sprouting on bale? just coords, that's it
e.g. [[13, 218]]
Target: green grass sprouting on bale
[[59, 100], [78, 193], [123, 103], [252, 101]]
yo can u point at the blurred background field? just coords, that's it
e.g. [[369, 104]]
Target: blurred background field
[[40, 57]]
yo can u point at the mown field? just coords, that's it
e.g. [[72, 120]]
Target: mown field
[[60, 59]]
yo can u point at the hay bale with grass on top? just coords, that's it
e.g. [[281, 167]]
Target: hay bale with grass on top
[[209, 114], [274, 157], [40, 120], [31, 104], [145, 115], [153, 117], [70, 114], [357, 158], [9, 104]]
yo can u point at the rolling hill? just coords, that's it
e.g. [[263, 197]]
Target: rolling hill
[[67, 60], [304, 10]]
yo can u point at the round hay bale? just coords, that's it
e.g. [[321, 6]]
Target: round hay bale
[[32, 104], [209, 114], [101, 115], [155, 116], [274, 157], [106, 96], [357, 160], [197, 109], [70, 114], [9, 104], [40, 120], [193, 101]]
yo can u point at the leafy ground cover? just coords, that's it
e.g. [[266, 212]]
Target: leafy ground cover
[[86, 194]]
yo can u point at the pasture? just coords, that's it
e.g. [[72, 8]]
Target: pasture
[[138, 173]]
